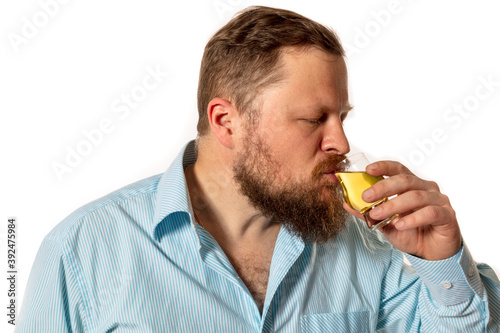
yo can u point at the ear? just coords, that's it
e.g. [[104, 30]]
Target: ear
[[222, 117]]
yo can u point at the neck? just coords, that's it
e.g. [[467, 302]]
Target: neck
[[221, 209]]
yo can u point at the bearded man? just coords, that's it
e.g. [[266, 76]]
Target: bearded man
[[246, 231]]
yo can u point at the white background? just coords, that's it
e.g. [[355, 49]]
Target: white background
[[407, 69]]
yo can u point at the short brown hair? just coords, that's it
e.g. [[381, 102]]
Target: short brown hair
[[243, 56]]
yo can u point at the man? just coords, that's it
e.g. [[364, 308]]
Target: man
[[246, 231]]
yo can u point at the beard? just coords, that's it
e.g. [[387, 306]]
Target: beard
[[311, 209]]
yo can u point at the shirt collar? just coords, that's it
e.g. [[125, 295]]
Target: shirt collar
[[173, 195]]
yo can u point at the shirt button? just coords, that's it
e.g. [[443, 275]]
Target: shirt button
[[472, 270], [446, 285]]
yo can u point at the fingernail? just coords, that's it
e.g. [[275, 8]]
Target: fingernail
[[377, 211], [367, 195], [373, 166], [400, 224]]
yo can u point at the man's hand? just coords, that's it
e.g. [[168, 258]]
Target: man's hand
[[427, 226]]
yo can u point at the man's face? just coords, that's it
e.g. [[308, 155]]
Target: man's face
[[286, 162]]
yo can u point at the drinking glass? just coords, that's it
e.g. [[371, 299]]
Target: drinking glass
[[354, 181]]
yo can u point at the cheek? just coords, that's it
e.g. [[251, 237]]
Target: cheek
[[304, 152], [295, 151], [300, 142], [295, 165]]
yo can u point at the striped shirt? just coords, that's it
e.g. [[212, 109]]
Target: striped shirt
[[135, 261]]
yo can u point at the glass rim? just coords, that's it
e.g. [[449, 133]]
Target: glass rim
[[351, 160]]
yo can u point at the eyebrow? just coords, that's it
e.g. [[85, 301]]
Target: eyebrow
[[322, 108], [349, 107], [346, 111]]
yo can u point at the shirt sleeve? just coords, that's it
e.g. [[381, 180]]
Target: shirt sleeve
[[52, 300], [451, 295]]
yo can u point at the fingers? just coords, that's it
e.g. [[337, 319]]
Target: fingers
[[408, 202], [392, 168], [398, 184], [387, 168], [427, 216], [417, 201]]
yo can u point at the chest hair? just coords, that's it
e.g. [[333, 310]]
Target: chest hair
[[253, 269]]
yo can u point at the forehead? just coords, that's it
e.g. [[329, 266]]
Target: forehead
[[311, 78], [312, 67]]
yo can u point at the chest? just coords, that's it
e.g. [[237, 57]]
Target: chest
[[164, 291], [253, 269]]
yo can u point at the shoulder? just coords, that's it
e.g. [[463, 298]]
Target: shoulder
[[111, 211]]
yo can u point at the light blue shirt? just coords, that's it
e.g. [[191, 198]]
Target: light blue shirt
[[135, 261]]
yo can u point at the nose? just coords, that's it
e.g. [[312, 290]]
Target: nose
[[334, 140]]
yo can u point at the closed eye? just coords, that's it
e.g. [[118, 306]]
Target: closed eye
[[317, 121]]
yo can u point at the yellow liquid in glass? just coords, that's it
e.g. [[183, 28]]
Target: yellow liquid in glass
[[353, 185]]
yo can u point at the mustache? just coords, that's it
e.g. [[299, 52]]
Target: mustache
[[330, 162]]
